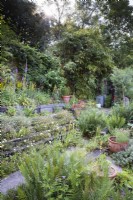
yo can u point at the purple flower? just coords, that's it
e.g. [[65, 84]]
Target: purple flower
[[16, 70]]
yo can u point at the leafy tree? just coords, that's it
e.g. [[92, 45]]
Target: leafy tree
[[123, 53], [6, 36], [39, 68], [123, 82], [87, 13], [63, 11], [33, 28], [85, 59], [118, 17]]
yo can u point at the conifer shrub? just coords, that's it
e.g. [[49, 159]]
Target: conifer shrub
[[90, 121], [115, 121]]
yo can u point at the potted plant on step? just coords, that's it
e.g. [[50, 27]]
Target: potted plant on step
[[119, 140], [65, 91]]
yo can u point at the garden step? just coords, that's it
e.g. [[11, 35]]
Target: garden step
[[38, 109], [32, 135], [11, 182], [18, 146], [19, 149]]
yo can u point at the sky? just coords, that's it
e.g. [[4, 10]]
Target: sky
[[51, 10]]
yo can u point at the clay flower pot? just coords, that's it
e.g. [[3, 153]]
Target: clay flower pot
[[66, 99], [111, 171], [116, 146]]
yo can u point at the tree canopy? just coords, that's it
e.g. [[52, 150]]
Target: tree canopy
[[32, 28], [85, 59], [79, 46]]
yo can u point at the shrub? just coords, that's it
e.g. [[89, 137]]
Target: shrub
[[124, 158], [62, 176], [90, 120], [24, 100], [12, 125], [123, 111], [8, 96], [11, 111], [122, 80], [29, 111], [115, 121], [38, 96]]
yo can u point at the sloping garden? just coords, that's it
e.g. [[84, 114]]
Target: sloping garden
[[56, 153], [66, 106]]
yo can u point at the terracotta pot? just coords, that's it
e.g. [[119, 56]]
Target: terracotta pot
[[66, 99], [116, 146], [112, 172]]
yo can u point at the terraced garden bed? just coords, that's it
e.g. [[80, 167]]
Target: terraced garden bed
[[20, 134]]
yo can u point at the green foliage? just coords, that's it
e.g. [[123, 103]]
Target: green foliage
[[65, 91], [124, 158], [8, 96], [23, 100], [125, 179], [5, 72], [11, 111], [63, 176], [123, 111], [122, 135], [85, 59], [12, 126], [118, 23], [42, 69], [72, 139], [123, 55], [122, 80], [108, 102], [39, 97], [10, 164], [29, 111], [98, 142], [13, 95], [21, 17], [115, 121], [90, 120]]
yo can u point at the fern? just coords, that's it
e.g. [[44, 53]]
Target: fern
[[115, 121]]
